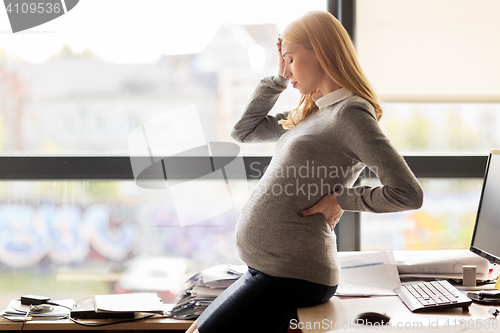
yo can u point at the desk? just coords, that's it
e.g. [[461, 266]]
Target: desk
[[153, 324], [344, 310], [338, 310]]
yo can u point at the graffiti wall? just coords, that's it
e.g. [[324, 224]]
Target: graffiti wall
[[70, 223], [63, 233]]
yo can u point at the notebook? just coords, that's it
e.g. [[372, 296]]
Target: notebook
[[117, 306], [85, 309], [134, 302]]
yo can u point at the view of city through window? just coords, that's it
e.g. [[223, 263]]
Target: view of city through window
[[79, 86], [435, 66], [82, 90]]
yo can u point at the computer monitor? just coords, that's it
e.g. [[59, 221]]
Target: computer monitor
[[486, 237]]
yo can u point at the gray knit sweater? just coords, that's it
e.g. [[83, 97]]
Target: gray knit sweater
[[325, 152]]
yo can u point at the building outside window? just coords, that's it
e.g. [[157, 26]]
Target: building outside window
[[79, 86], [434, 65], [70, 88]]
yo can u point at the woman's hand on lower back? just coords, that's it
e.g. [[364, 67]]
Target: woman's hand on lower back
[[329, 207]]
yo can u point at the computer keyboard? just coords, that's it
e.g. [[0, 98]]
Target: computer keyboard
[[425, 296]]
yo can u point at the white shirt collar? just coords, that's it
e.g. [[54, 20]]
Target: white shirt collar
[[331, 98]]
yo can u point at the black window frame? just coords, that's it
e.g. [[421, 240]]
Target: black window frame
[[74, 168]]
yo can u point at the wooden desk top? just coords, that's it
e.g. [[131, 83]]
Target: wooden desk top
[[339, 315], [155, 323]]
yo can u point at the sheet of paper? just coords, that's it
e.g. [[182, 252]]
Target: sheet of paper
[[440, 262], [368, 274], [133, 302], [223, 272], [204, 291]]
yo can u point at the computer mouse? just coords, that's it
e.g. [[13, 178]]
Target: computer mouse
[[370, 318]]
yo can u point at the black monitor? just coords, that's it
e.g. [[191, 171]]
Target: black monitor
[[486, 237]]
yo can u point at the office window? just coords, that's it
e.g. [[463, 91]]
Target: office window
[[71, 239], [435, 66], [79, 85], [73, 81], [445, 221]]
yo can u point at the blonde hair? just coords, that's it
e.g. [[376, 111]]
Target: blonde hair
[[322, 32]]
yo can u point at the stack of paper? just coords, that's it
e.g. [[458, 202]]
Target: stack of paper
[[443, 264], [202, 288]]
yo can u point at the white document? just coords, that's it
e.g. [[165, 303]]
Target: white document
[[133, 302], [223, 272], [440, 262], [204, 291], [367, 274]]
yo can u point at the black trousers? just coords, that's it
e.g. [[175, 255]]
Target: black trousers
[[258, 302]]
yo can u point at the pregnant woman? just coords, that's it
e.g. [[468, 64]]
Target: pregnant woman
[[285, 231]]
